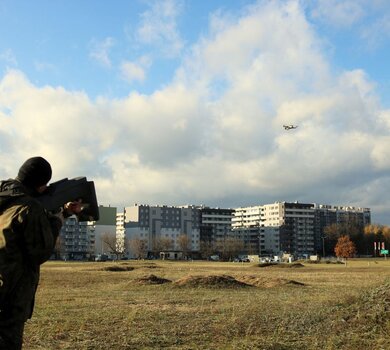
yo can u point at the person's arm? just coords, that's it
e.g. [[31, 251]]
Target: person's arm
[[40, 232]]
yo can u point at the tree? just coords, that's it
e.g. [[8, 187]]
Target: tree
[[139, 247], [345, 248], [376, 233], [207, 248], [351, 229], [161, 244], [184, 243], [109, 241], [230, 247], [331, 235]]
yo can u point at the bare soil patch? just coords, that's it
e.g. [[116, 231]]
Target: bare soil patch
[[118, 268], [151, 279], [264, 282], [282, 265], [151, 266], [211, 281]]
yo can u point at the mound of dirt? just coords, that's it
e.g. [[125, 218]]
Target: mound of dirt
[[267, 264], [151, 266], [118, 268], [211, 281], [265, 282], [282, 265], [151, 279]]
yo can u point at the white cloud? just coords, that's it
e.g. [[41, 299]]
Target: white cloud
[[214, 135], [8, 57], [100, 51], [378, 32], [132, 71], [340, 13], [159, 26], [135, 71], [44, 66]]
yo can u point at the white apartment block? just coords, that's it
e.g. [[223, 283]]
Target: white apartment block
[[258, 227], [277, 227], [120, 231], [292, 227]]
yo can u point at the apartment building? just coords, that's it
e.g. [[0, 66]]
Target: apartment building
[[215, 224], [83, 240], [267, 229], [297, 228], [326, 215], [292, 227], [258, 227], [162, 223]]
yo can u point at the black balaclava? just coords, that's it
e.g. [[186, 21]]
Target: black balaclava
[[34, 172]]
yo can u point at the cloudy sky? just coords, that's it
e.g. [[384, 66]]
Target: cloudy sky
[[183, 101]]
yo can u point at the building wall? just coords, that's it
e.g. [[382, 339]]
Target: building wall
[[297, 231], [258, 227], [77, 239], [154, 222], [216, 224], [82, 240], [101, 231], [290, 227]]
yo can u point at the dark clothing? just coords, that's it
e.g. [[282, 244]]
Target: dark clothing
[[11, 336], [27, 238]]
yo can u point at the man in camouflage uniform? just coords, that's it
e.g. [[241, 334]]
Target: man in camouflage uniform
[[27, 238]]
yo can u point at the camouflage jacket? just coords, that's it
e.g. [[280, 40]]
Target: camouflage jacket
[[27, 238]]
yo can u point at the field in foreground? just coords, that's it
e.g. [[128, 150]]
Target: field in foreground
[[210, 305]]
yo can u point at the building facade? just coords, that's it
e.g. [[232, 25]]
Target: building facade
[[163, 227], [326, 215], [215, 224], [258, 228], [83, 240]]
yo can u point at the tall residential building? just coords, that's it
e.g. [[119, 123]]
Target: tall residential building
[[83, 240], [297, 228], [216, 224], [120, 231], [76, 240], [292, 227], [162, 223], [258, 227], [326, 215]]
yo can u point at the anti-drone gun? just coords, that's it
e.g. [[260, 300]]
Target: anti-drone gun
[[67, 190]]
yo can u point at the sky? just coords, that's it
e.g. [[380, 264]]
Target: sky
[[177, 102]]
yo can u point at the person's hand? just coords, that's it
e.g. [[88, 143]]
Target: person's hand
[[73, 207]]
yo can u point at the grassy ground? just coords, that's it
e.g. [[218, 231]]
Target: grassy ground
[[210, 305]]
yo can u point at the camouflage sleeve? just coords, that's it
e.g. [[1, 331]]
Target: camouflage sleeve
[[40, 233]]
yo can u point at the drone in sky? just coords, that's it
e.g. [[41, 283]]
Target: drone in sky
[[289, 127]]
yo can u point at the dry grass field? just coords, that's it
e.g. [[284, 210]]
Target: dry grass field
[[211, 305]]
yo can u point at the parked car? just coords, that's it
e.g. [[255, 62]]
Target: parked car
[[101, 257]]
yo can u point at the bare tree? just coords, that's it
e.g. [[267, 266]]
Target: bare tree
[[139, 247], [161, 244], [184, 243], [230, 247], [109, 241], [207, 248]]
